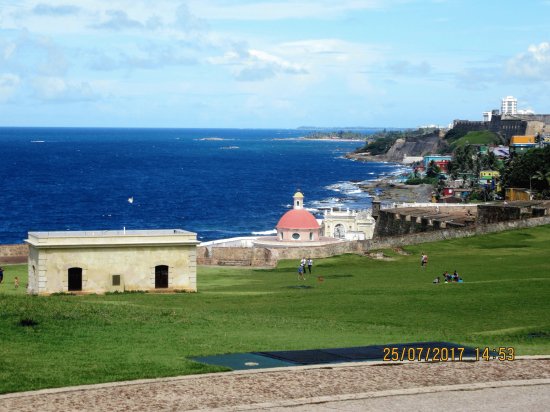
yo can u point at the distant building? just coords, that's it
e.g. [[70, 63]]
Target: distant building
[[442, 161], [501, 152], [515, 194], [407, 160], [509, 105], [110, 260], [520, 144], [298, 225], [348, 224], [490, 178], [297, 228], [487, 116]]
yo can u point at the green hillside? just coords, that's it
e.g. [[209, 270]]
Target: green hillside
[[481, 137]]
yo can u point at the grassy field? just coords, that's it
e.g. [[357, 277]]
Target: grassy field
[[480, 137], [68, 340]]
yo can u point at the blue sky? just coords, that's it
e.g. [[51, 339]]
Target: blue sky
[[273, 63]]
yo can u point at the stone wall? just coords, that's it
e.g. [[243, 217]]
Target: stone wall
[[264, 257], [446, 234], [496, 213], [14, 253], [235, 256], [395, 222], [268, 257]]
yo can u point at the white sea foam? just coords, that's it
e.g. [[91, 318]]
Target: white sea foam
[[345, 187], [265, 232], [37, 141]]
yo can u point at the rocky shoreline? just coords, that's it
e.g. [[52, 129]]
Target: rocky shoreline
[[387, 190]]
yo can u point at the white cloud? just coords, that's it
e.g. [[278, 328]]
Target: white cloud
[[118, 20], [50, 10], [147, 57], [57, 89], [9, 84], [253, 65], [533, 64], [278, 10]]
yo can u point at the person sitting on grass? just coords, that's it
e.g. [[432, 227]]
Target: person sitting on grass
[[436, 280]]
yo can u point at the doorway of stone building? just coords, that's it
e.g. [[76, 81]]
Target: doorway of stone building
[[161, 277], [75, 279]]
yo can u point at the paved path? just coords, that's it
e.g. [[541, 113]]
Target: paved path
[[528, 397], [334, 387]]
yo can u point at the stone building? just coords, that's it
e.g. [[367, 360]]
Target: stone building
[[108, 261], [348, 224]]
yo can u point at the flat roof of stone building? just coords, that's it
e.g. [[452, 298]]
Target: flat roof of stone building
[[111, 238]]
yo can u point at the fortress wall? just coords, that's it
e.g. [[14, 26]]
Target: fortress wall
[[262, 257], [235, 256], [495, 213], [14, 253], [446, 234]]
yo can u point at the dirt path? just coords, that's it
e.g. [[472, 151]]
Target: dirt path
[[229, 390]]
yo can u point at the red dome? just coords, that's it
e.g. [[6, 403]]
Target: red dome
[[298, 219]]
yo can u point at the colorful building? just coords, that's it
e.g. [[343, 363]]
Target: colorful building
[[490, 178], [520, 144], [442, 161]]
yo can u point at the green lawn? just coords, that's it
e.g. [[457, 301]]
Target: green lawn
[[479, 137], [505, 301]]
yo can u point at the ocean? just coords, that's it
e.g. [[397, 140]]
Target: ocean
[[219, 183]]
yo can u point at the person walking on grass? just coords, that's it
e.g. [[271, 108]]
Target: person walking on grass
[[301, 273], [424, 261], [309, 264], [16, 282], [1, 274]]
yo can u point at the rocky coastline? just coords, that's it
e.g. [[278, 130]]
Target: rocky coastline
[[388, 189]]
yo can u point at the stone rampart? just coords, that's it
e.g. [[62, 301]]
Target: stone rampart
[[268, 257], [14, 253], [446, 234]]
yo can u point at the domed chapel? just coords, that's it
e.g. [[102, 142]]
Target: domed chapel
[[298, 225]]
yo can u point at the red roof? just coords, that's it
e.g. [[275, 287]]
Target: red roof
[[298, 219]]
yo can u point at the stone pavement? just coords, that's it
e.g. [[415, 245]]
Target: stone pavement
[[358, 386], [531, 395]]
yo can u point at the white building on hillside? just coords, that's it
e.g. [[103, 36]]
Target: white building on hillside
[[509, 105]]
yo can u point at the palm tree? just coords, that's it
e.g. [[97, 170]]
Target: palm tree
[[542, 176]]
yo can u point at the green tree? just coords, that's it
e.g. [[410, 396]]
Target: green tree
[[530, 169], [433, 170]]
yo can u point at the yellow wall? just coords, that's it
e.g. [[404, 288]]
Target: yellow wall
[[135, 264]]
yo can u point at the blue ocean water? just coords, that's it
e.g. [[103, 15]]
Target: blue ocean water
[[219, 183]]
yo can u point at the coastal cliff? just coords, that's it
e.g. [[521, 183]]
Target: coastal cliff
[[408, 145]]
